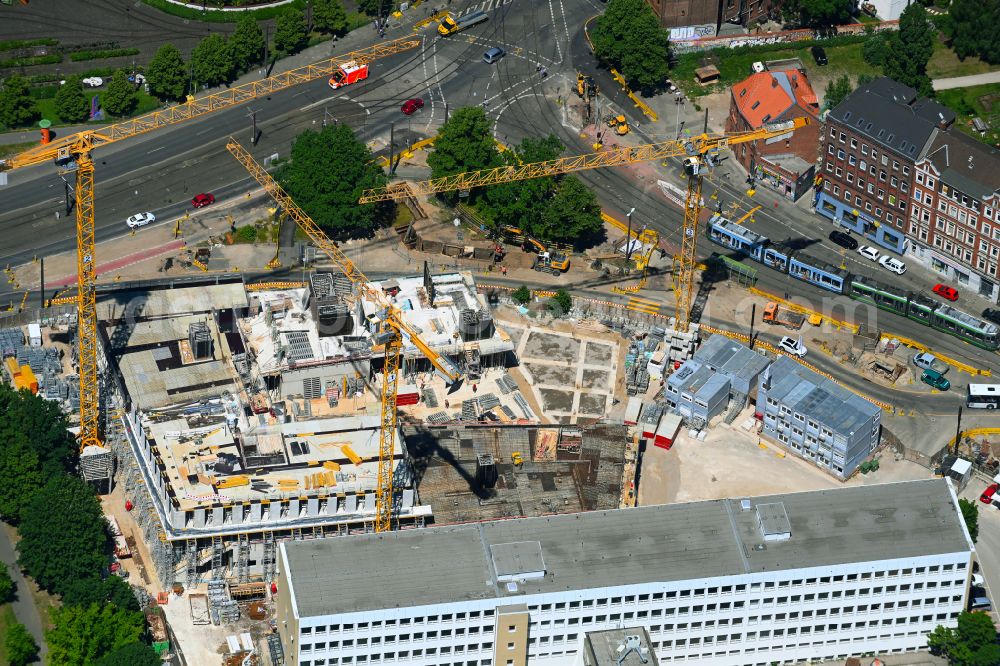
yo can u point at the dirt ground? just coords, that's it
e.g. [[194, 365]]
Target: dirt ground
[[731, 462]]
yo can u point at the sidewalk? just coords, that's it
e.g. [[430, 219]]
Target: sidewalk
[[966, 81]]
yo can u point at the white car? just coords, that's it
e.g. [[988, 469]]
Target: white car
[[868, 252], [977, 580], [892, 264], [92, 81], [140, 220], [792, 346]]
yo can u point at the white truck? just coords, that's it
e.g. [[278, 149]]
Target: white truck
[[928, 361]]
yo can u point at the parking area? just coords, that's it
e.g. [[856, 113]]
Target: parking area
[[988, 545]]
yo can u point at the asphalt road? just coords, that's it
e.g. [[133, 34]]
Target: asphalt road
[[161, 171], [24, 607]]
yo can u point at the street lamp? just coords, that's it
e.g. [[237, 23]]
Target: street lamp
[[628, 236]]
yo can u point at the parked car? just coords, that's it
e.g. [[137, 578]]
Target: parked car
[[493, 55], [868, 252], [944, 291], [978, 580], [935, 379], [978, 601], [844, 240], [203, 199], [819, 55], [140, 220], [992, 315], [411, 106], [792, 346], [928, 361], [987, 496], [92, 82], [892, 264]]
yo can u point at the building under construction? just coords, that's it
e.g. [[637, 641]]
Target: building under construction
[[241, 416]]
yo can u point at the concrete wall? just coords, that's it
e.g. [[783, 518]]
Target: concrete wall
[[288, 622], [511, 644]]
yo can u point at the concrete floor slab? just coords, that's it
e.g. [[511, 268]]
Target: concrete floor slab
[[598, 354], [551, 374], [595, 379], [552, 347], [554, 400], [593, 403]]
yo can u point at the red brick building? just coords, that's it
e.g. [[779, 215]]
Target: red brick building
[[685, 13], [786, 163]]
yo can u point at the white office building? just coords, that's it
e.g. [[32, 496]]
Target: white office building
[[785, 578]]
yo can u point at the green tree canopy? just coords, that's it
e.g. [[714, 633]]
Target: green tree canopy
[[166, 73], [7, 586], [97, 590], [836, 90], [84, 634], [910, 49], [329, 17], [562, 301], [21, 646], [818, 13], [573, 215], [16, 104], [373, 7], [120, 98], [972, 643], [465, 143], [133, 654], [521, 203], [290, 31], [72, 104], [970, 513], [327, 172], [246, 44], [973, 27], [521, 295], [63, 534], [22, 478], [212, 61], [875, 50], [628, 37]]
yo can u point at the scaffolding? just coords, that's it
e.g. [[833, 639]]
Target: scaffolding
[[269, 556], [218, 550], [242, 557]]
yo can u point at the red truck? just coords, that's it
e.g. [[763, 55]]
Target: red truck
[[348, 73]]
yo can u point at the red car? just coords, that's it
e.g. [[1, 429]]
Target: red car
[[987, 496], [944, 291], [202, 200], [411, 106]]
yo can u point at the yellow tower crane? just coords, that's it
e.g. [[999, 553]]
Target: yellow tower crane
[[73, 152], [392, 330], [699, 153]]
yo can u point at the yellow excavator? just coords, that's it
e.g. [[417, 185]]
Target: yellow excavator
[[547, 259], [618, 124]]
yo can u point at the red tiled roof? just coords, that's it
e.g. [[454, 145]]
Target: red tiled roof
[[766, 95]]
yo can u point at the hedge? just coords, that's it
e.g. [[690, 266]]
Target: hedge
[[81, 56], [33, 60], [11, 44], [218, 16]]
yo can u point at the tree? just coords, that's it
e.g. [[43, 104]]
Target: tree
[[521, 203], [63, 534], [972, 643], [290, 31], [910, 49], [133, 654], [573, 215], [166, 73], [246, 44], [16, 104], [84, 634], [970, 513], [97, 590], [120, 98], [628, 37], [973, 26], [72, 104], [875, 50], [373, 7], [40, 425], [21, 646], [22, 478], [329, 17], [837, 90], [521, 295], [465, 143], [7, 586], [562, 301], [818, 14], [326, 175], [212, 61]]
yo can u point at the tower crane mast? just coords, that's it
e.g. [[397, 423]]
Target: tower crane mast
[[699, 153], [74, 152], [392, 329]]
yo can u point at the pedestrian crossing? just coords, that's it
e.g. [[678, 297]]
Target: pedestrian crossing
[[485, 6], [643, 305]]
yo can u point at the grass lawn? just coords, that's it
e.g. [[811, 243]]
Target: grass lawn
[[144, 104], [945, 64], [7, 620], [979, 101], [845, 59], [14, 149]]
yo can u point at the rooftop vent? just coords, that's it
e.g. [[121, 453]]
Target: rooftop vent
[[773, 522], [744, 505], [521, 560]]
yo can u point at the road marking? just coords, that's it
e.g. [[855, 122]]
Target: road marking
[[150, 152], [552, 13]]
